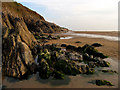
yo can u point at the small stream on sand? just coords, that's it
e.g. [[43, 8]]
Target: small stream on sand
[[79, 81]]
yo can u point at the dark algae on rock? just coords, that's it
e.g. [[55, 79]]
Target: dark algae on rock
[[109, 71], [56, 61], [103, 82]]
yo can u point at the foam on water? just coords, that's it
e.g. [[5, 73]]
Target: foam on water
[[111, 38]]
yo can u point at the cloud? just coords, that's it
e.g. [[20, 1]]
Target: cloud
[[80, 14]]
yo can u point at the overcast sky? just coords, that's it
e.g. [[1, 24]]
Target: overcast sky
[[78, 14]]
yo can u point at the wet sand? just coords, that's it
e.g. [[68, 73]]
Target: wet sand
[[79, 81], [110, 49], [112, 33]]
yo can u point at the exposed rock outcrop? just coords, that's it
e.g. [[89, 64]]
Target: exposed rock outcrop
[[19, 24]]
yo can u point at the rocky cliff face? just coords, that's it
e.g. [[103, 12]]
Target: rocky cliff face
[[18, 25]]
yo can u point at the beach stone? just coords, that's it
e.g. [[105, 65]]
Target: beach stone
[[63, 45], [77, 42], [70, 47], [96, 45]]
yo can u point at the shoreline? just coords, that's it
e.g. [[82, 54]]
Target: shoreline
[[110, 48], [110, 33]]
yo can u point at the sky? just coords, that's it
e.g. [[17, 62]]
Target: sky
[[78, 14]]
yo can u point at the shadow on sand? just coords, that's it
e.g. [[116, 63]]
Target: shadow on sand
[[52, 81]]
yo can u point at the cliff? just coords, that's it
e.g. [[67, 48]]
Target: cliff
[[19, 24]]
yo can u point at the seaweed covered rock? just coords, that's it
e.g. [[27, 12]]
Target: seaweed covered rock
[[103, 63], [61, 57], [58, 75], [85, 69], [109, 71], [92, 64], [55, 61], [79, 49], [103, 82], [75, 57], [92, 51], [44, 69], [67, 67], [46, 55]]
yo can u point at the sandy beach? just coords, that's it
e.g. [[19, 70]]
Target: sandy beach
[[110, 49]]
